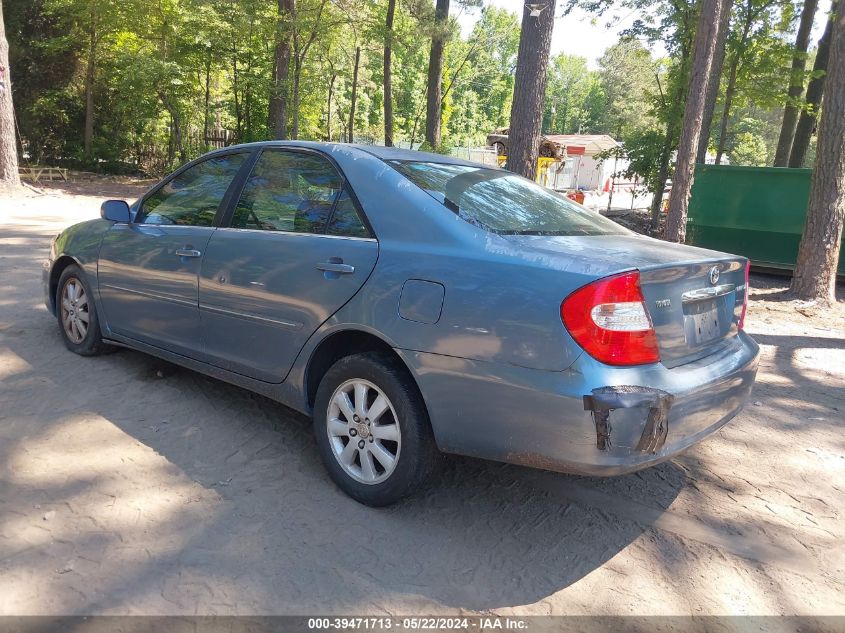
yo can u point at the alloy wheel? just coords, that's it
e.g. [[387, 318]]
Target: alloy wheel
[[75, 310], [363, 431]]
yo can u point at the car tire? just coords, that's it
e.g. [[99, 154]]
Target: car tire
[[75, 304], [357, 452]]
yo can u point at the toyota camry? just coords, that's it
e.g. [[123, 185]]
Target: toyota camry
[[414, 304]]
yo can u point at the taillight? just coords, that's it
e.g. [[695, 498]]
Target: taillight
[[609, 319], [741, 323]]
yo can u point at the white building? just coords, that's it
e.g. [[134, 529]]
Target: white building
[[581, 169]]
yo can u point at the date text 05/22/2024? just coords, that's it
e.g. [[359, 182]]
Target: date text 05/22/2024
[[418, 623]]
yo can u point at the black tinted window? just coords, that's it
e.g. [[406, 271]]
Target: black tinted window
[[288, 191], [192, 197], [345, 220], [501, 202]]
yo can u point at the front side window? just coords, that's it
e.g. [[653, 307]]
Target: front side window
[[501, 202], [192, 197], [288, 191]]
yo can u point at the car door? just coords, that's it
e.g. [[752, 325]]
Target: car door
[[148, 270], [296, 249]]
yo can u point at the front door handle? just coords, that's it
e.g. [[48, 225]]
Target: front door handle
[[188, 252], [336, 267]]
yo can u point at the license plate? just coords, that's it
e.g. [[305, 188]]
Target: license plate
[[706, 326]]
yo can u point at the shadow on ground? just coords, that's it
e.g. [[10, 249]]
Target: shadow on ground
[[483, 536], [261, 528]]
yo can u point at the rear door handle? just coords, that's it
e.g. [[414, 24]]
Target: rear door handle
[[188, 252], [336, 267]]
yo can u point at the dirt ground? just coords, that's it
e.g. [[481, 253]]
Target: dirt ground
[[129, 486]]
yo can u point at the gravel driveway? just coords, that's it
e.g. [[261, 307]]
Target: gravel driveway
[[130, 486]]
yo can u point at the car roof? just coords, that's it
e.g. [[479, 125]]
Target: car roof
[[398, 153], [379, 151]]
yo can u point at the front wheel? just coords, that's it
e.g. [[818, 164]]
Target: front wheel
[[372, 429], [77, 314]]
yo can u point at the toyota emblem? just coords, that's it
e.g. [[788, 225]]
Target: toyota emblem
[[714, 275]]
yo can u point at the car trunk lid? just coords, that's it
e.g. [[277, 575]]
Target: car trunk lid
[[694, 296], [695, 307]]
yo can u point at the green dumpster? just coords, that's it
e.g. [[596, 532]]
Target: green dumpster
[[757, 212]]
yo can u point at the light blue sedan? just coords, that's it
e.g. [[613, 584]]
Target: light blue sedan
[[414, 303]]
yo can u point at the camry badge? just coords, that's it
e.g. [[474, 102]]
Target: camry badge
[[714, 275], [663, 303]]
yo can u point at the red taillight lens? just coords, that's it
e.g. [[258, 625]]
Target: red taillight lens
[[609, 319], [741, 323]]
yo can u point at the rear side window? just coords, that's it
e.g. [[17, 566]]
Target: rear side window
[[288, 191], [346, 220], [501, 202], [192, 197]]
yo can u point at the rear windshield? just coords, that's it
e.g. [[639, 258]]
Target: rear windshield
[[501, 202]]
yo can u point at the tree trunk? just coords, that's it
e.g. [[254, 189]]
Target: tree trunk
[[702, 60], [796, 84], [329, 109], [279, 90], [237, 103], [171, 147], [248, 112], [815, 91], [417, 121], [529, 89], [714, 80], [730, 89], [662, 176], [665, 155], [342, 121], [297, 75], [8, 143], [435, 74], [818, 252], [178, 139], [90, 75], [207, 99], [176, 127], [351, 130], [388, 76], [726, 112], [300, 52]]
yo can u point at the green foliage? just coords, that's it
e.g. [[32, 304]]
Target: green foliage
[[748, 145], [748, 149], [628, 80], [480, 72], [575, 97], [48, 116], [171, 77], [642, 149]]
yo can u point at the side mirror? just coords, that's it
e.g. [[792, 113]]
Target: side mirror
[[115, 210]]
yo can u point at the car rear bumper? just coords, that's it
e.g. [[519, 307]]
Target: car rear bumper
[[591, 419]]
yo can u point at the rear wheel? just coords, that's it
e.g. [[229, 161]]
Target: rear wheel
[[77, 314], [372, 429]]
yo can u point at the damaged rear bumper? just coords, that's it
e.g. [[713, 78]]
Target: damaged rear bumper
[[640, 426], [592, 419], [653, 405]]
